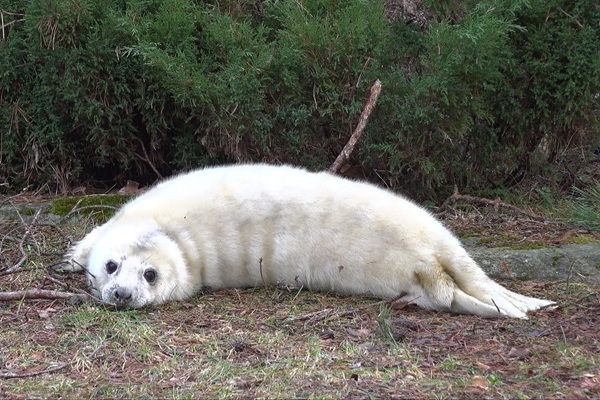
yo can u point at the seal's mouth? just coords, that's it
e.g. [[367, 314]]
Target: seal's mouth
[[123, 297]]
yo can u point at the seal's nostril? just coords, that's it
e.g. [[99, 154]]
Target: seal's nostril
[[122, 295]]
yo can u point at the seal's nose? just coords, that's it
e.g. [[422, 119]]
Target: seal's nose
[[122, 295]]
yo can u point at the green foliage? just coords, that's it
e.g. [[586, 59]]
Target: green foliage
[[585, 210], [384, 322], [67, 103], [556, 77], [480, 106], [436, 116], [110, 90]]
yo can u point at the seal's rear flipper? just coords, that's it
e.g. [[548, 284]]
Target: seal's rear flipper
[[494, 300]]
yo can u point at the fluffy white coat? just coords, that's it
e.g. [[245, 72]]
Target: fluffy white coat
[[250, 225]]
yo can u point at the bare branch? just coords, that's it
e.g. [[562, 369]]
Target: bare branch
[[42, 294], [22, 242], [95, 206], [147, 159], [570, 16], [496, 203], [360, 127], [36, 293]]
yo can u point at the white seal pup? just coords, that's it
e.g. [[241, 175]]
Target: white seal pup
[[251, 225]]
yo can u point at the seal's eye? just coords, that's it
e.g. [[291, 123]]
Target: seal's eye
[[150, 276], [111, 267]]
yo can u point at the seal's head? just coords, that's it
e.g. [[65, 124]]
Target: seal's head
[[134, 267]]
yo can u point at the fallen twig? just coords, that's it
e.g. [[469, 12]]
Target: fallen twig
[[12, 271], [76, 209], [22, 242], [572, 17], [42, 294], [323, 314], [360, 127], [4, 24], [10, 375], [8, 199], [496, 203]]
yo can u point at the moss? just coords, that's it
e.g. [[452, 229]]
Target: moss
[[486, 240], [555, 260], [468, 234], [527, 246], [100, 207], [509, 241], [505, 240], [581, 239], [30, 211]]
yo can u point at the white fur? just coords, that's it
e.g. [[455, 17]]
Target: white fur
[[251, 225]]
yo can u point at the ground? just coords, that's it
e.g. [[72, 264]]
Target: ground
[[274, 343]]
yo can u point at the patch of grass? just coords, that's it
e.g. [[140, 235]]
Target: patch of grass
[[383, 320], [449, 364], [585, 209], [235, 343]]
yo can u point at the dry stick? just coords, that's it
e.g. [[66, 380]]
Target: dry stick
[[41, 294], [570, 16], [507, 270], [11, 13], [22, 242], [12, 271], [147, 159], [9, 198], [497, 308], [35, 373], [322, 314], [78, 209], [496, 203], [58, 282], [360, 127]]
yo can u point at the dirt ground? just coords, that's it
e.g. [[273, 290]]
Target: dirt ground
[[254, 344]]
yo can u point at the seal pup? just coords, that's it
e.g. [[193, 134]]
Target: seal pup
[[254, 225]]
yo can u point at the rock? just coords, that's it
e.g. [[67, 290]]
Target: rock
[[575, 262]]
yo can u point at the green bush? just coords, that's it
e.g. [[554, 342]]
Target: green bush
[[493, 88], [430, 124], [111, 90]]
